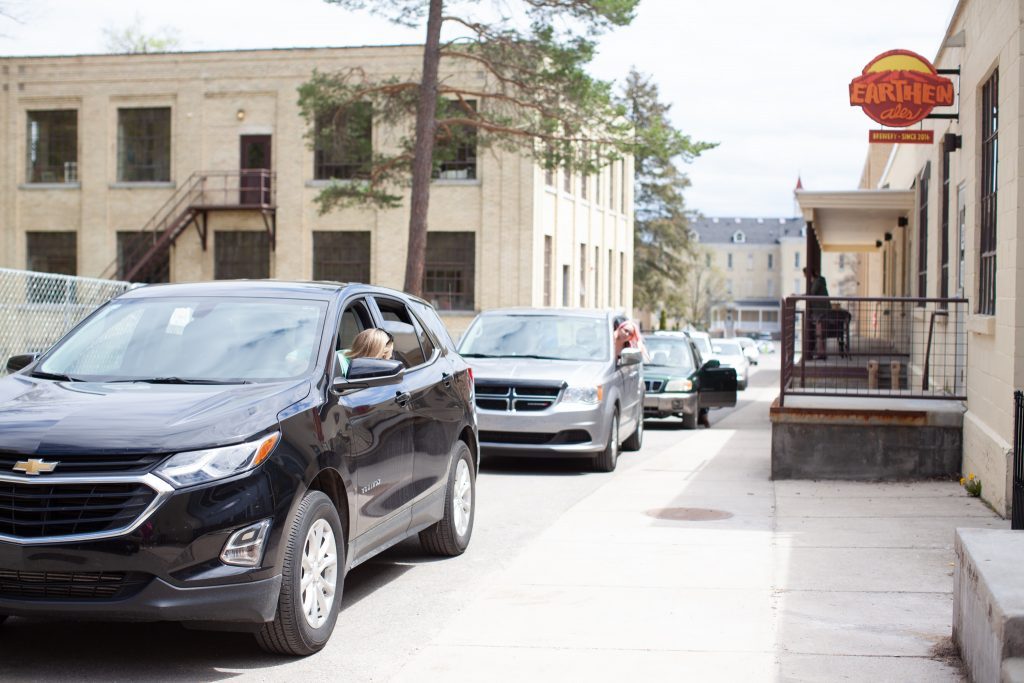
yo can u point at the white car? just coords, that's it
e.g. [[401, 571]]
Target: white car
[[730, 353], [750, 349]]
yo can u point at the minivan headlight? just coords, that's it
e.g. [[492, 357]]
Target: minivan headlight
[[675, 385], [590, 395], [198, 467]]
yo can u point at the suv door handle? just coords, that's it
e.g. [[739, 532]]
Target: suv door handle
[[446, 379], [402, 398]]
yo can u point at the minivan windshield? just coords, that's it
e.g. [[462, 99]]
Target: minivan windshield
[[557, 337], [670, 352], [192, 340]]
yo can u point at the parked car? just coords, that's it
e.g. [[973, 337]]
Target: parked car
[[679, 382], [703, 342], [548, 382], [729, 353], [750, 349], [193, 453]]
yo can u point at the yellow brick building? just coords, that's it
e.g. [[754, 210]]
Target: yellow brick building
[[97, 148]]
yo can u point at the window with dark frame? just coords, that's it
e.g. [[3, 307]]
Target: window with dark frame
[[989, 186], [343, 143], [51, 252], [341, 256], [455, 148], [944, 231], [771, 261], [52, 149], [547, 269], [144, 145], [132, 245], [450, 270], [241, 254], [923, 186]]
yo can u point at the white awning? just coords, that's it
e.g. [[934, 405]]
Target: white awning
[[853, 220]]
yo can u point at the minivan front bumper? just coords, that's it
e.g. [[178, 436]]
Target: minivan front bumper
[[565, 429]]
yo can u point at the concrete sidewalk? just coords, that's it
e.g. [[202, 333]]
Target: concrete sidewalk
[[815, 581]]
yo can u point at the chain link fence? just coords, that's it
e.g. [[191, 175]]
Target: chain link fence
[[36, 309]]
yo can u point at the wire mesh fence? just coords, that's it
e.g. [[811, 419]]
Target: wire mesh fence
[[874, 347], [36, 309]]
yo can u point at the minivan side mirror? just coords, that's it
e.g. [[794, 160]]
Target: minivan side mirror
[[21, 361], [631, 356], [364, 373]]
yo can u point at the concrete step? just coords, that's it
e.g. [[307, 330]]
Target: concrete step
[[1013, 670]]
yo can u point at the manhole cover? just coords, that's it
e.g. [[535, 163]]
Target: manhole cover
[[689, 514]]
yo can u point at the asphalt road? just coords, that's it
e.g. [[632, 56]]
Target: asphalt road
[[391, 606]]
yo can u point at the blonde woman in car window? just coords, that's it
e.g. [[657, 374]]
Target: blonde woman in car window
[[371, 343]]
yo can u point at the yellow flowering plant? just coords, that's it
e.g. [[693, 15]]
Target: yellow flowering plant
[[972, 484]]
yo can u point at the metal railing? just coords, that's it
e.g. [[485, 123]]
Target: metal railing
[[201, 191], [1017, 499], [37, 309], [874, 347]]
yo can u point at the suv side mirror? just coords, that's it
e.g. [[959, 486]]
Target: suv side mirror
[[21, 361], [631, 356], [711, 365], [364, 373]]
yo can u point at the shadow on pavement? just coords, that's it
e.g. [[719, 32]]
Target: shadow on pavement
[[524, 466]]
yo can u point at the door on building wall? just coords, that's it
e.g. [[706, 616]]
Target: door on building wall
[[254, 183]]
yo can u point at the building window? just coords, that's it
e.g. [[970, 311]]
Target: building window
[[343, 143], [771, 261], [566, 180], [769, 287], [584, 178], [989, 185], [728, 287], [449, 279], [750, 261], [797, 285], [842, 261], [548, 249], [597, 275], [622, 166], [796, 260], [455, 149], [52, 146], [51, 252], [922, 230], [144, 145], [241, 254], [583, 275], [598, 177], [611, 266], [728, 261], [565, 286], [341, 256], [707, 260], [132, 247], [738, 237], [622, 279], [613, 182], [944, 229]]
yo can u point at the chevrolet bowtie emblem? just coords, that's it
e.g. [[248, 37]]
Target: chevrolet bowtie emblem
[[34, 466]]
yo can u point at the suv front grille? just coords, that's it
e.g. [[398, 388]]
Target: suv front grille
[[507, 396], [56, 509], [85, 465], [654, 385], [20, 585]]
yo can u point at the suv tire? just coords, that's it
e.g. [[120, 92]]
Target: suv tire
[[636, 439], [291, 633], [450, 536], [606, 460]]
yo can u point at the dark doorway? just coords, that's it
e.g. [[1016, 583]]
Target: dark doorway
[[255, 170]]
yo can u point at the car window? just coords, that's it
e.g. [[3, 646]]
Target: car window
[[727, 348], [703, 344], [401, 324], [670, 352], [429, 317], [354, 320], [426, 343]]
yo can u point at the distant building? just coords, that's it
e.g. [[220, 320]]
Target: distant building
[[208, 152], [761, 262]]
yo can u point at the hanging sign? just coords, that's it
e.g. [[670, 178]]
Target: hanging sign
[[900, 88]]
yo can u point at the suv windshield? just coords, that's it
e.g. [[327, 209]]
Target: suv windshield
[[559, 337], [199, 339], [669, 352]]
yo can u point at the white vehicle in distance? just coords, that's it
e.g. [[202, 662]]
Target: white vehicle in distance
[[749, 349], [703, 342], [729, 353]]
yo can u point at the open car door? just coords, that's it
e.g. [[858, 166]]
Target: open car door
[[717, 385]]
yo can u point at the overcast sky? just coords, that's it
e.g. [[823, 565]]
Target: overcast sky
[[766, 80]]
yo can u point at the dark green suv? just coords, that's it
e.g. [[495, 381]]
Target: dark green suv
[[679, 382]]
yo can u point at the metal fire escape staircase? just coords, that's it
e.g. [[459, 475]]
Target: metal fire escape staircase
[[144, 257]]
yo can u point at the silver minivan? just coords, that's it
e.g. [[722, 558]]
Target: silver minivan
[[548, 382]]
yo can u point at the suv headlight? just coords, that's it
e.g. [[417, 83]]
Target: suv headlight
[[675, 385], [590, 395], [198, 467]]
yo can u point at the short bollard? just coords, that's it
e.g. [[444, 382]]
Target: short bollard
[[894, 367], [872, 374]]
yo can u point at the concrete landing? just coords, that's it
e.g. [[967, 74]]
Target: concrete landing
[[988, 603]]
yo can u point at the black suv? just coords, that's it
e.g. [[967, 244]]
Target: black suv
[[195, 453]]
